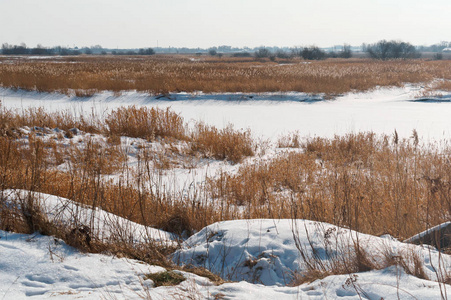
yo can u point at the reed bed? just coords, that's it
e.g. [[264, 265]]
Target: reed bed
[[373, 184], [77, 168], [225, 144], [84, 76], [146, 123], [370, 183]]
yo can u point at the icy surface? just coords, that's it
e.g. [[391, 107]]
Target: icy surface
[[272, 114]]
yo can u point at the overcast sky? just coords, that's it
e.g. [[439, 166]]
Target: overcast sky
[[202, 23]]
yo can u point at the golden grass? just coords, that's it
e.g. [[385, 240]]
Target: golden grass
[[30, 162], [146, 123], [366, 182], [84, 76], [361, 181], [225, 144], [373, 184]]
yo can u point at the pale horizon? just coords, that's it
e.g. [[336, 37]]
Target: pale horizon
[[237, 23]]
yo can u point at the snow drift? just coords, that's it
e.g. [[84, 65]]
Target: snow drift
[[104, 225], [272, 252]]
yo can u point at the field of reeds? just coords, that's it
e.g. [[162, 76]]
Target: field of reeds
[[84, 76], [375, 184], [370, 183], [124, 161]]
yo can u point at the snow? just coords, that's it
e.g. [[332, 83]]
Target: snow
[[41, 267], [267, 251], [105, 225], [270, 115], [260, 256]]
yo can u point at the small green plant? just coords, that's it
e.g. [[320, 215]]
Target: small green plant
[[166, 278]]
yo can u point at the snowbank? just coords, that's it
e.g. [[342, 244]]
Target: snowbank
[[40, 266], [105, 225], [43, 267], [269, 251]]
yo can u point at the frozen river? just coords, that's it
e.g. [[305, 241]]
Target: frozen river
[[271, 115]]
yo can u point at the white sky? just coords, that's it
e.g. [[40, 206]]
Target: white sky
[[202, 23]]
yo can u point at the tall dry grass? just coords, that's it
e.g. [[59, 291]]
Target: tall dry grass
[[76, 169], [225, 144], [369, 183], [84, 76], [373, 184], [146, 123]]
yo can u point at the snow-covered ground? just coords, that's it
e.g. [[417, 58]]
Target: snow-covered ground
[[270, 115], [43, 267], [261, 256], [269, 251], [105, 226]]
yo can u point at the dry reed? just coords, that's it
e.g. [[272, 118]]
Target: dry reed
[[83, 76], [361, 181], [369, 183]]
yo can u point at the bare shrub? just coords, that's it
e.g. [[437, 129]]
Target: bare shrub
[[146, 123], [226, 143], [292, 140], [392, 50]]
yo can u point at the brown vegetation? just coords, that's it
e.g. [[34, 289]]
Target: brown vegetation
[[146, 123], [369, 183], [373, 184], [28, 161], [224, 144], [83, 76]]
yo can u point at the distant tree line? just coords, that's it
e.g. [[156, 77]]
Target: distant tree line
[[391, 50], [439, 47], [380, 50], [147, 51], [22, 49], [309, 53]]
